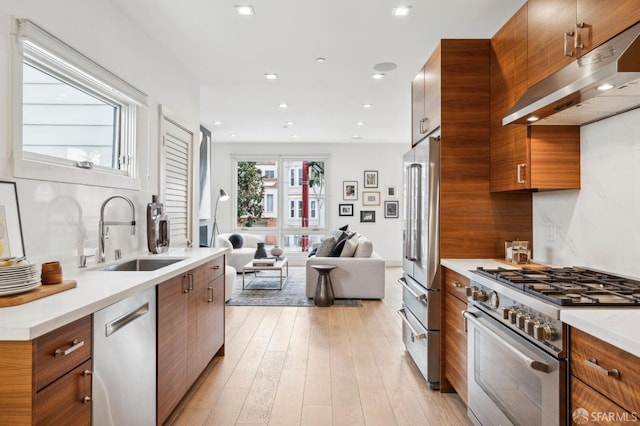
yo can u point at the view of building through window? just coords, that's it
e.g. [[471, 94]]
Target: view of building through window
[[286, 211]]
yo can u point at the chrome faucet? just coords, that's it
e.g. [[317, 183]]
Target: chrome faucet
[[101, 238]]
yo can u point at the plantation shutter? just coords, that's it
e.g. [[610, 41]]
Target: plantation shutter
[[176, 170]]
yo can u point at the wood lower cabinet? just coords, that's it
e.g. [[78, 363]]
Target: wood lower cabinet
[[454, 333], [48, 380], [604, 378], [190, 331], [525, 157]]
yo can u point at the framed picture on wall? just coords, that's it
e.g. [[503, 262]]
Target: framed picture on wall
[[350, 190], [345, 209], [370, 198], [370, 178], [391, 209], [367, 216], [391, 191]]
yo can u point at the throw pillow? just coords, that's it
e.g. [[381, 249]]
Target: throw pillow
[[326, 247], [313, 252], [337, 250], [344, 228], [236, 240], [349, 248], [364, 249]]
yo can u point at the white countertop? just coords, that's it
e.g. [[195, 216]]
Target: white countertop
[[95, 290], [618, 327], [466, 266]]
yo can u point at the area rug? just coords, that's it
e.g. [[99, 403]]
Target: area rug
[[263, 290]]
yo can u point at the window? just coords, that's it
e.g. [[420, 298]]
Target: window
[[71, 113], [297, 218]]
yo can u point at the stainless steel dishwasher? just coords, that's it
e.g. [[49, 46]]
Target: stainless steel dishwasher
[[124, 361]]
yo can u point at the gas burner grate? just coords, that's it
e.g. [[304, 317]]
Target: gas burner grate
[[570, 286]]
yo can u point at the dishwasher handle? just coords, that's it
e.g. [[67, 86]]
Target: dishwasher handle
[[117, 324]]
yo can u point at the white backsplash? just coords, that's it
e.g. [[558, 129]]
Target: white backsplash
[[598, 225]]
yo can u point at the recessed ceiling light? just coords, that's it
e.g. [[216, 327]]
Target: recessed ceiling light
[[321, 60], [401, 10], [271, 76], [283, 105], [217, 123], [532, 119], [367, 106], [360, 123], [605, 86], [385, 66], [356, 137], [245, 10], [295, 135], [233, 135], [377, 76], [289, 123]]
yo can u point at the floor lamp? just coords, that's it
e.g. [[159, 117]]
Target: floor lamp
[[222, 196]]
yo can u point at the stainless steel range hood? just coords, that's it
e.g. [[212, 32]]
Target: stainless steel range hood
[[579, 93]]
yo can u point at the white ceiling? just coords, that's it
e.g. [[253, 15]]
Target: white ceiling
[[229, 55]]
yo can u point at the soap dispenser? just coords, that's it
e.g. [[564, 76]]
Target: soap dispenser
[[158, 228]]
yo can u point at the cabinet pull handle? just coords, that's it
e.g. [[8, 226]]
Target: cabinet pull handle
[[568, 34], [215, 267], [577, 41], [456, 284], [593, 363], [423, 129], [210, 291], [189, 288], [191, 282], [75, 345], [87, 373], [519, 172], [86, 399]]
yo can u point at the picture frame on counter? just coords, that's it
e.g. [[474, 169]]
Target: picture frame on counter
[[367, 216], [391, 209], [11, 241], [370, 198], [345, 209], [370, 178], [350, 190]]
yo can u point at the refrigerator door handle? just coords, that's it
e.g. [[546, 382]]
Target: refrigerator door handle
[[414, 212], [419, 297]]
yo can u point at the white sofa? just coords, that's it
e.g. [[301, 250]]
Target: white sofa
[[241, 256], [354, 277]]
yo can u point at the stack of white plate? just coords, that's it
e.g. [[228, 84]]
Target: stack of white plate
[[19, 278]]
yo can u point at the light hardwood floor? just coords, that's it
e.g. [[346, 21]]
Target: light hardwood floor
[[317, 366]]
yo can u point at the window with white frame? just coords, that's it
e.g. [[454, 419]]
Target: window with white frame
[[71, 113], [268, 204]]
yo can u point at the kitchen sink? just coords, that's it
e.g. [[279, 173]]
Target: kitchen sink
[[143, 264]]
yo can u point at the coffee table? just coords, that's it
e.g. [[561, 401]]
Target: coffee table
[[279, 265]]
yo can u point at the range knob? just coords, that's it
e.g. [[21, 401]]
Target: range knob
[[521, 317], [512, 315], [544, 332], [479, 295], [529, 325], [506, 312], [471, 290]]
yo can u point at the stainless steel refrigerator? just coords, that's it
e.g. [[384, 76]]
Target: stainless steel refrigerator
[[421, 258]]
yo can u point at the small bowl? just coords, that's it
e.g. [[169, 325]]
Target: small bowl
[[51, 279]]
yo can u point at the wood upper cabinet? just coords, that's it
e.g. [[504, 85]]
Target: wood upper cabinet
[[190, 330], [48, 380], [454, 333], [562, 30], [599, 20], [426, 97], [525, 157]]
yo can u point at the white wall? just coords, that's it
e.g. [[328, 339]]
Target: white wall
[[346, 162], [596, 226], [61, 220]]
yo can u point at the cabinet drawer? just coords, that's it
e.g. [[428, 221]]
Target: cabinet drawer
[[456, 284], [61, 350], [591, 359], [211, 270], [582, 396], [67, 400]]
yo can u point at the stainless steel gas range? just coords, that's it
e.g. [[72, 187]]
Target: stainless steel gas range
[[517, 349]]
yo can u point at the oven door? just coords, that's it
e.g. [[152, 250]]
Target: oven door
[[511, 381]]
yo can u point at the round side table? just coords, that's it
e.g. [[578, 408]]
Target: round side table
[[324, 290]]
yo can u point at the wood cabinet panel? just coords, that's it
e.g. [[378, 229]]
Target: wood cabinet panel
[[456, 284], [603, 19], [425, 99], [16, 383], [554, 157], [66, 400], [455, 342], [50, 360], [172, 344], [582, 396], [550, 22], [591, 358]]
